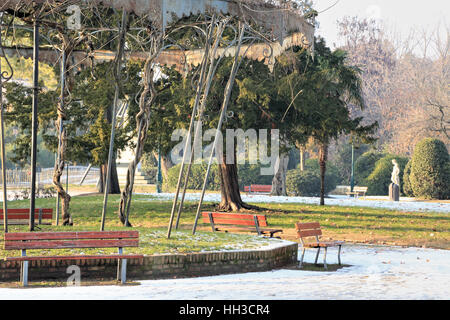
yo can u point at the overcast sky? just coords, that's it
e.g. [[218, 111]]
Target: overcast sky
[[398, 15]]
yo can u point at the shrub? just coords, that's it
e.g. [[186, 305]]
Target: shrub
[[365, 164], [307, 183], [430, 170], [303, 183], [379, 180], [407, 189]]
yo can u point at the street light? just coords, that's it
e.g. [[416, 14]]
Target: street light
[[352, 177], [159, 175]]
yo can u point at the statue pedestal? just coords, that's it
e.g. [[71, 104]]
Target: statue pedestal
[[394, 192]]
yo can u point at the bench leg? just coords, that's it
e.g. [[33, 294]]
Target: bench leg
[[122, 270], [24, 274], [325, 258], [317, 256], [123, 276], [339, 255], [301, 259]]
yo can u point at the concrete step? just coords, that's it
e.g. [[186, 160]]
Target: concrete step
[[139, 179]]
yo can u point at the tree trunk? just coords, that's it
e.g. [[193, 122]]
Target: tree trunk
[[302, 158], [229, 188], [323, 157], [101, 181], [59, 168], [166, 164], [62, 144], [279, 179], [302, 148], [114, 187]]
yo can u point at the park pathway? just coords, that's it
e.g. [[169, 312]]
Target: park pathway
[[375, 273]]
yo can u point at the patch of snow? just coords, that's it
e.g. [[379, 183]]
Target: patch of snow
[[405, 204], [376, 272]]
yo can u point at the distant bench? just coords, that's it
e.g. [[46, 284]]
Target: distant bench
[[254, 223], [258, 188], [22, 216], [64, 240], [358, 191]]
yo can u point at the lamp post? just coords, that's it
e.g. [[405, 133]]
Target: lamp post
[[34, 123], [352, 177], [159, 175]]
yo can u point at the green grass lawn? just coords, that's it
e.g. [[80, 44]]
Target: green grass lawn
[[151, 218]]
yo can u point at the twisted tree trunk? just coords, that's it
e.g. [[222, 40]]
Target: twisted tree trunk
[[62, 144], [59, 168], [142, 120]]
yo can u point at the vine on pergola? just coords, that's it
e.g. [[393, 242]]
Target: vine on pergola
[[149, 31]]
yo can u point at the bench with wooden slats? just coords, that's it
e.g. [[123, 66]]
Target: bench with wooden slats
[[313, 230], [246, 222], [358, 191], [64, 240], [22, 216], [258, 188]]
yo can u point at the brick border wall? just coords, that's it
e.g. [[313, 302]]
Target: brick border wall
[[160, 266]]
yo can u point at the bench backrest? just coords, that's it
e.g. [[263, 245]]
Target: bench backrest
[[235, 219], [258, 188], [62, 240], [24, 213], [360, 189], [310, 229]]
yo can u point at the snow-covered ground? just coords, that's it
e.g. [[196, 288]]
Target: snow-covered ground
[[405, 204], [375, 273]]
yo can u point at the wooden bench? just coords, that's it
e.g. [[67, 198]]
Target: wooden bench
[[222, 221], [22, 216], [308, 230], [358, 191], [63, 240], [258, 188]]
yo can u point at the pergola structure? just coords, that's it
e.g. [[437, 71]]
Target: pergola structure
[[262, 30]]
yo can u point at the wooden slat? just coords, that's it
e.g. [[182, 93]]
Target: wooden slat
[[235, 218], [62, 244], [323, 244], [307, 226], [22, 222], [309, 233], [88, 257], [26, 216], [236, 222], [258, 188], [71, 235], [264, 188], [26, 210], [232, 215]]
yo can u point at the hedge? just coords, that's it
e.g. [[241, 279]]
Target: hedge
[[430, 170]]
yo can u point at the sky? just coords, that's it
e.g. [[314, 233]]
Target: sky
[[401, 16]]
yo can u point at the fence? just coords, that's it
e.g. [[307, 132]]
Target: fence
[[18, 178]]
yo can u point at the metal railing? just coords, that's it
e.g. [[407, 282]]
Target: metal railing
[[19, 178]]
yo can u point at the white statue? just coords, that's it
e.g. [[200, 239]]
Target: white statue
[[395, 173]]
